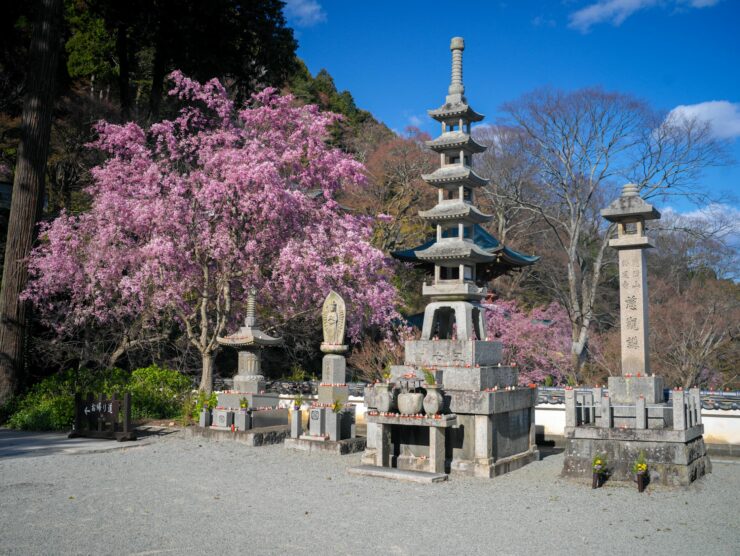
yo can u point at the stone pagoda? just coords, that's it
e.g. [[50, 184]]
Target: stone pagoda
[[452, 407], [634, 415], [247, 406]]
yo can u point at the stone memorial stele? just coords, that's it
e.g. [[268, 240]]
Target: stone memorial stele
[[634, 416], [485, 425], [329, 429]]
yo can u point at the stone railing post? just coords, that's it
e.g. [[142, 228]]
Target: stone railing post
[[571, 417], [640, 413], [679, 410], [695, 395], [606, 413]]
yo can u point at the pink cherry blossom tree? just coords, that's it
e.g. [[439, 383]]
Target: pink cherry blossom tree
[[188, 215], [536, 341]]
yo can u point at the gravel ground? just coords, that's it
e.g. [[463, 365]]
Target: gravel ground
[[185, 496]]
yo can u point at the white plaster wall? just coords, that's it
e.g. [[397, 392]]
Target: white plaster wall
[[720, 426]]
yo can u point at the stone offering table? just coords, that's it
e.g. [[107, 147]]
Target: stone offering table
[[385, 449]]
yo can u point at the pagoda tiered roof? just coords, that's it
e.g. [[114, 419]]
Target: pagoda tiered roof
[[502, 258], [450, 110], [454, 174], [455, 140], [454, 210]]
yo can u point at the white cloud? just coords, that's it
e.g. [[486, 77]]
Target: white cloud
[[616, 11], [415, 121], [304, 13], [722, 115], [720, 218]]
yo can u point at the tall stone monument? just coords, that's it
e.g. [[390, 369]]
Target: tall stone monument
[[484, 423], [634, 415]]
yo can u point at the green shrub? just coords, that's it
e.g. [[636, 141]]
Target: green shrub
[[157, 393], [49, 405], [203, 400]]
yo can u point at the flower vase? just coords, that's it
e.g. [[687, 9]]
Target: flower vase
[[433, 401], [410, 403], [641, 482], [383, 397], [596, 480]]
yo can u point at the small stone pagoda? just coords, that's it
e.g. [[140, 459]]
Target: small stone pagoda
[[634, 416], [247, 406], [452, 407]]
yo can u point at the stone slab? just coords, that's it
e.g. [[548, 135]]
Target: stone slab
[[270, 418], [445, 422], [452, 353], [232, 399], [628, 389], [397, 474], [489, 469], [462, 378], [253, 437], [489, 403], [320, 445], [629, 434]]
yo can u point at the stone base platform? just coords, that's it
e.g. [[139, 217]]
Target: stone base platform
[[253, 437], [674, 458], [397, 474], [489, 469], [321, 445]]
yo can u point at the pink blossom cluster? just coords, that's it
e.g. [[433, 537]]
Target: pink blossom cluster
[[205, 206], [537, 341]]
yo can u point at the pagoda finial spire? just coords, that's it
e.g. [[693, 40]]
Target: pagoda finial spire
[[457, 45]]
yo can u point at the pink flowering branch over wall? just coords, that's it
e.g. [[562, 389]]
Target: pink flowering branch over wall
[[189, 214], [536, 341]]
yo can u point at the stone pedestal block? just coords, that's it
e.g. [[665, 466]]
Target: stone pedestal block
[[205, 418], [333, 425], [296, 423], [242, 421], [626, 390], [317, 421], [334, 369], [223, 418], [328, 394], [675, 458], [249, 384], [452, 353]]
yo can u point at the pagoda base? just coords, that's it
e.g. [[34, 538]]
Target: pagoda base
[[494, 433], [674, 457]]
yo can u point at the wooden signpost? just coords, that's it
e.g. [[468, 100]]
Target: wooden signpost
[[103, 418]]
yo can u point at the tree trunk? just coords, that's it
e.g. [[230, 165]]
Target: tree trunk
[[123, 73], [206, 379], [158, 71], [28, 188]]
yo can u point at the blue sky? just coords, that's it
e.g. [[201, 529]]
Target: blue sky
[[394, 56]]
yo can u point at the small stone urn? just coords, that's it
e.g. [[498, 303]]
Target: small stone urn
[[383, 397], [410, 403], [433, 401]]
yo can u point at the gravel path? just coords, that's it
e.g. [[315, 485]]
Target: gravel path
[[185, 496]]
